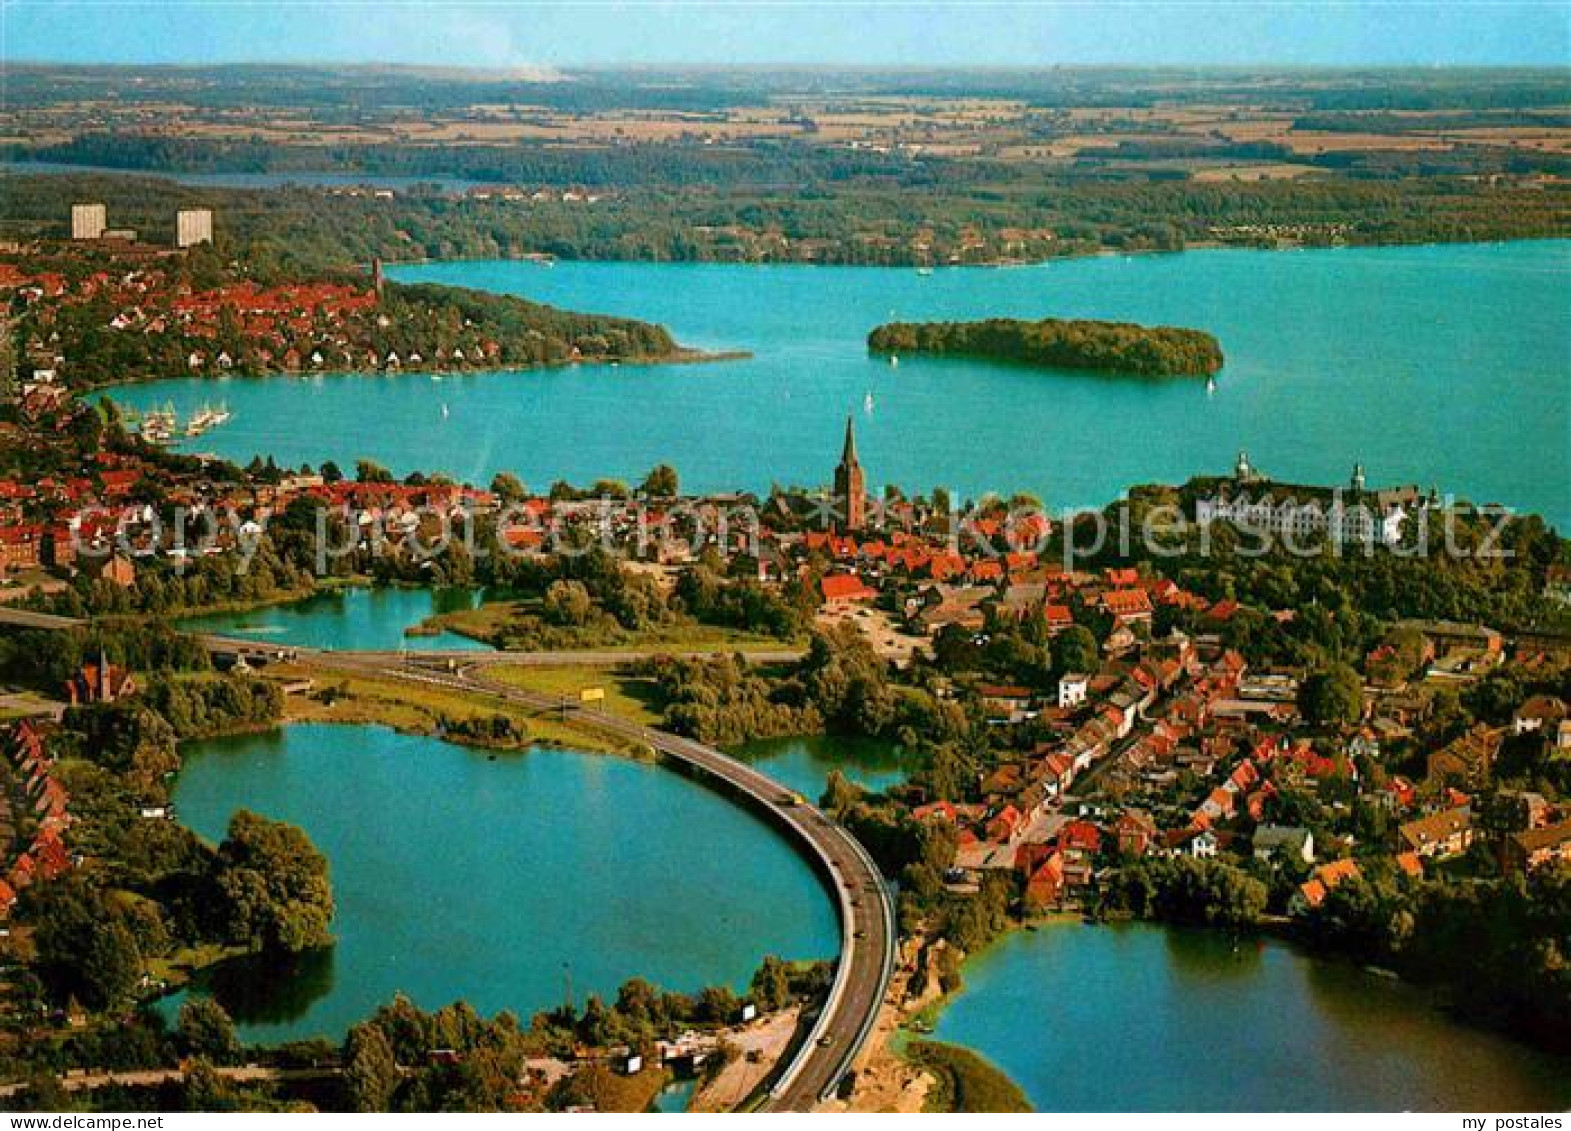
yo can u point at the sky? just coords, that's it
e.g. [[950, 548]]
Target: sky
[[952, 33]]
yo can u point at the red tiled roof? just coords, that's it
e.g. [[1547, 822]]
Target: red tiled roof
[[845, 587], [1127, 602]]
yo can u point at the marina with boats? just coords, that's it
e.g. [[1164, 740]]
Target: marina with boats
[[163, 425]]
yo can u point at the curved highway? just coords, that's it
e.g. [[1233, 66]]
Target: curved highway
[[866, 911]]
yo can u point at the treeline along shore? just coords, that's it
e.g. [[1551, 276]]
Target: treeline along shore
[[1114, 347], [932, 222]]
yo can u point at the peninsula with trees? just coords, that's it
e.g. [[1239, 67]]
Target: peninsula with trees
[[87, 313], [1110, 347]]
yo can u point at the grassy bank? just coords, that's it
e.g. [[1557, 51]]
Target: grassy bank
[[964, 1081], [496, 623], [626, 696], [356, 699]]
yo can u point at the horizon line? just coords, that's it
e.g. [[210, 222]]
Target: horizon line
[[519, 70]]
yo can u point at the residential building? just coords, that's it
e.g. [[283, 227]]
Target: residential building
[[1073, 688], [193, 226], [1448, 832], [88, 221], [1467, 762], [1288, 841], [1539, 713], [21, 547], [841, 589], [1321, 883], [1007, 704], [1535, 848]]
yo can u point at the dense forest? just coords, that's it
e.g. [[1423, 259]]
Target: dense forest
[[933, 215], [1113, 347]]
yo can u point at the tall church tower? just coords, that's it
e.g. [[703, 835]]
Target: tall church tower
[[851, 483]]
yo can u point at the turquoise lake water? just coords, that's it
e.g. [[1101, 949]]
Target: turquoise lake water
[[360, 619], [1140, 1018], [460, 875], [1446, 365]]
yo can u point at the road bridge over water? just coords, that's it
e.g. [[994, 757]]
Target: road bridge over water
[[817, 1065]]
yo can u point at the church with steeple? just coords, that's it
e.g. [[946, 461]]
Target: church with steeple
[[850, 484]]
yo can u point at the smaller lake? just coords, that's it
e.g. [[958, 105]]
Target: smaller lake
[[358, 619], [500, 879], [803, 763], [1141, 1018]]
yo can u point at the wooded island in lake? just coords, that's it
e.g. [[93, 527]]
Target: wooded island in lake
[[1114, 347]]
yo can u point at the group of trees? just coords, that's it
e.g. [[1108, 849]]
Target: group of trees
[[591, 599], [150, 889], [486, 730], [1184, 889], [527, 333], [1114, 347], [402, 1058], [1331, 696], [723, 700], [47, 658], [265, 888], [198, 706], [741, 602], [857, 211], [841, 685], [276, 895], [1497, 945]]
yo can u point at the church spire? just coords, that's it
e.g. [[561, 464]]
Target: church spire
[[851, 483]]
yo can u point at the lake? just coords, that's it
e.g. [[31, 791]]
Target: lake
[[357, 618], [1142, 1018], [1438, 365], [498, 880], [804, 763]]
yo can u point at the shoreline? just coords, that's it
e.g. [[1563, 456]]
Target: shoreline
[[683, 356], [1208, 246]]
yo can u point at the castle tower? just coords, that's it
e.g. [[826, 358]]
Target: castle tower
[[1243, 471], [1358, 478], [851, 483]]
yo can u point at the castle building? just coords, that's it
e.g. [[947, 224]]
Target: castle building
[[1352, 514], [851, 483]]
